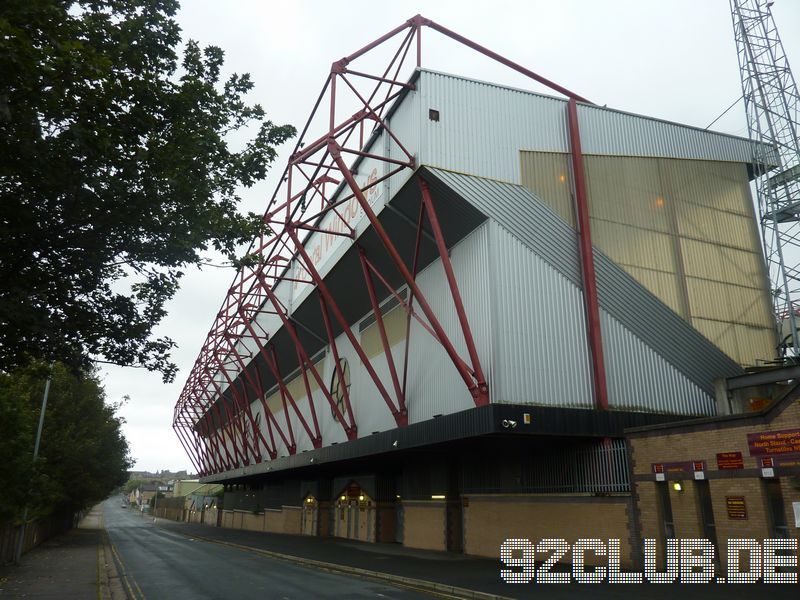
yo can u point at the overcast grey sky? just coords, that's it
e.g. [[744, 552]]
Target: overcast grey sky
[[671, 59]]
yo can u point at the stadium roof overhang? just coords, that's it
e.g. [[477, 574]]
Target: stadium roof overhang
[[345, 281]]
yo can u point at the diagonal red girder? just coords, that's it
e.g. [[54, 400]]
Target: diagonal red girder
[[319, 187]]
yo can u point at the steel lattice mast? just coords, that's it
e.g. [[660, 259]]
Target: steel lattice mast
[[772, 105]]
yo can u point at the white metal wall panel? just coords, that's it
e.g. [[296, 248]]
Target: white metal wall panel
[[606, 131], [369, 407], [434, 385], [483, 127], [540, 347], [405, 122], [639, 379]]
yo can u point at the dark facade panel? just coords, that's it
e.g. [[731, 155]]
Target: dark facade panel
[[494, 419]]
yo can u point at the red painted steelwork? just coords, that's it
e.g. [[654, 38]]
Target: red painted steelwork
[[587, 260], [400, 418], [226, 380], [387, 350], [482, 392], [352, 432]]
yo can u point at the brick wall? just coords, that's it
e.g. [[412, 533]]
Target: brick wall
[[489, 520], [703, 442], [284, 520], [424, 525]]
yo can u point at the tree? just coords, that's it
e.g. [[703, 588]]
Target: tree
[[83, 454], [133, 484], [116, 173]]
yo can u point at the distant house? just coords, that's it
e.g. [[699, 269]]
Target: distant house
[[146, 492]]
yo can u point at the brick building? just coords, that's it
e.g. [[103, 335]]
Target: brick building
[[720, 478]]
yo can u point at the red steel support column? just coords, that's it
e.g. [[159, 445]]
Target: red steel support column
[[414, 265], [387, 350], [267, 416], [212, 438], [191, 456], [243, 407], [316, 439], [348, 409], [255, 386], [350, 431], [483, 389], [587, 260], [233, 426], [400, 418], [205, 446], [480, 397]]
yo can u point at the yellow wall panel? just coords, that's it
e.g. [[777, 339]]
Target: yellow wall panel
[[632, 246], [754, 342], [296, 387], [662, 284], [547, 175], [627, 190], [394, 322], [686, 230], [723, 335]]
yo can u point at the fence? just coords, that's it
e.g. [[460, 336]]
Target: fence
[[171, 508], [37, 531]]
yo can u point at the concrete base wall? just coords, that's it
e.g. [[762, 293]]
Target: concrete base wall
[[490, 519]]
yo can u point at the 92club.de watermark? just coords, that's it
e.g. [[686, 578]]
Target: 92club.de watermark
[[687, 561]]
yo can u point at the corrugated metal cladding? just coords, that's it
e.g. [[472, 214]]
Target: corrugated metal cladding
[[605, 131], [631, 387], [540, 347], [641, 317], [483, 126], [434, 385], [685, 229]]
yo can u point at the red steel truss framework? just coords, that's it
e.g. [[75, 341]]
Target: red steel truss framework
[[317, 183]]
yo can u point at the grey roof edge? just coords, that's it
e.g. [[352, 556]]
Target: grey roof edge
[[620, 295]]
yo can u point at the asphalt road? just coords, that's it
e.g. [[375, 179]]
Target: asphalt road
[[162, 564]]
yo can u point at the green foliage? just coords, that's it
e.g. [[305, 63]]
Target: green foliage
[[115, 168], [132, 484], [83, 454]]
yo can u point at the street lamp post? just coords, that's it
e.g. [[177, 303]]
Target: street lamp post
[[21, 541]]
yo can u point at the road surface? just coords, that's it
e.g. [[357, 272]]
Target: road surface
[[162, 564]]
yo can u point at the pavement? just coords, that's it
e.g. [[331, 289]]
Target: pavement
[[84, 563], [449, 574], [75, 565]]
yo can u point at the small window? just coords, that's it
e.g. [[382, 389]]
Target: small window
[[433, 114]]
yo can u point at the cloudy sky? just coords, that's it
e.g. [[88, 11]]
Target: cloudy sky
[[671, 59]]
